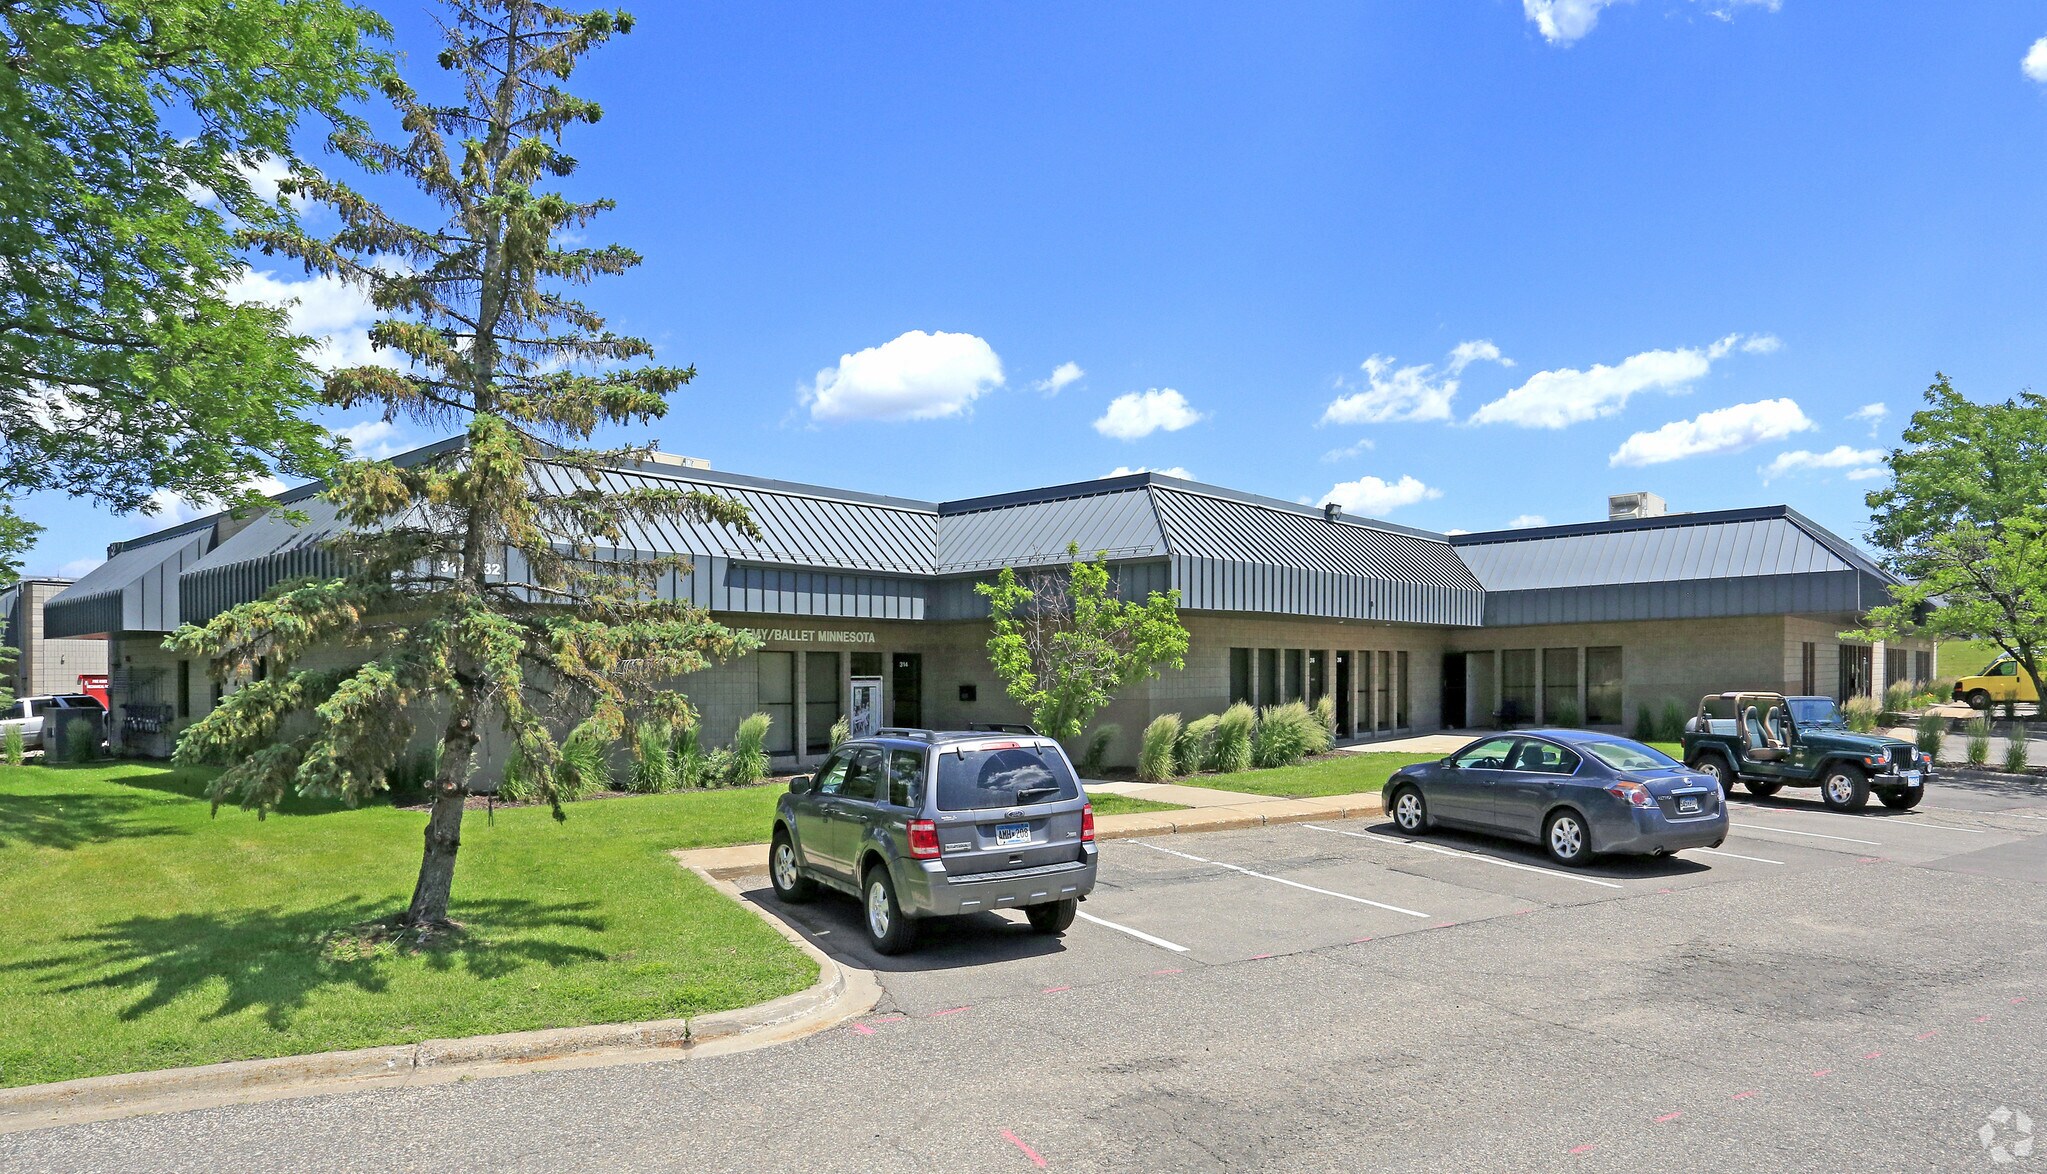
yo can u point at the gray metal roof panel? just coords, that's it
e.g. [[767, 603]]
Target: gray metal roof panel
[[134, 561], [1685, 548], [1120, 522]]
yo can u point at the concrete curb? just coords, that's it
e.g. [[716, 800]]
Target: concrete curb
[[740, 860], [839, 994]]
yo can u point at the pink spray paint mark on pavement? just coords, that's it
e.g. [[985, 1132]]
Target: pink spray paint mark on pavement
[[863, 1029], [1355, 941], [1443, 925], [1028, 1152], [1742, 1096], [947, 1011], [1257, 957], [1926, 1035], [1823, 1072], [1871, 1055], [1169, 970], [1980, 1019], [1583, 1149], [2017, 1001], [1053, 990], [1668, 1117]]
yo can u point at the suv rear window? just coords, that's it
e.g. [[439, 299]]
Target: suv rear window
[[978, 780], [80, 701]]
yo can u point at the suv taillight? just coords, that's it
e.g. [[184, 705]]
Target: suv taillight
[[1087, 823], [923, 839]]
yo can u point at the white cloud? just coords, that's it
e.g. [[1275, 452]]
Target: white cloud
[[1858, 460], [1869, 474], [1456, 531], [372, 439], [1140, 413], [2034, 64], [1564, 21], [1358, 447], [1373, 497], [914, 376], [78, 568], [1525, 521], [1872, 414], [1062, 376], [335, 312], [1168, 471], [1724, 430], [1565, 396], [172, 508], [1414, 393]]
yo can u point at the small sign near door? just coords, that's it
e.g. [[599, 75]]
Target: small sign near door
[[865, 715]]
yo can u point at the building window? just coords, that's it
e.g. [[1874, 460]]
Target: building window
[[1401, 717], [865, 664], [184, 688], [1240, 675], [1383, 715], [1897, 663], [820, 700], [1855, 668], [1318, 675], [1268, 676], [1922, 667], [776, 696], [1602, 686], [1292, 685], [1560, 685], [1517, 683], [1809, 672]]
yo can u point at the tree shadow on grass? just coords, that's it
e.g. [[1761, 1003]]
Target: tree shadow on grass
[[277, 962], [73, 819]]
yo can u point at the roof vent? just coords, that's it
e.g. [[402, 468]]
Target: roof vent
[[1635, 505], [669, 458], [1331, 511]]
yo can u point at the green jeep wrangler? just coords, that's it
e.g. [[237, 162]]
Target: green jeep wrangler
[[1770, 741]]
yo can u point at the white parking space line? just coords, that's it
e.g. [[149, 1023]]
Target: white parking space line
[[1939, 827], [1478, 856], [1139, 934], [1759, 827], [1888, 819], [1282, 880], [1735, 855]]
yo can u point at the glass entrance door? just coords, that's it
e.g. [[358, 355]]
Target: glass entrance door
[[906, 686]]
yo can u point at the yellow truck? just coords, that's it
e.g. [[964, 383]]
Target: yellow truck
[[2002, 682]]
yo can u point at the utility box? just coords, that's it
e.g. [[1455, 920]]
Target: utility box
[[1634, 505]]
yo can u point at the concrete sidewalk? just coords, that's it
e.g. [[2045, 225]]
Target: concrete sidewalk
[[1207, 811]]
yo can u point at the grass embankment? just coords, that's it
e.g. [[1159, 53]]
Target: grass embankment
[[1964, 658], [1336, 774], [141, 933], [1125, 805]]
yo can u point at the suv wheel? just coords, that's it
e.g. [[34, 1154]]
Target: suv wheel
[[1901, 798], [888, 930], [1410, 812], [787, 875], [1565, 837], [1979, 699], [1761, 789], [1715, 767], [1844, 787], [1053, 917]]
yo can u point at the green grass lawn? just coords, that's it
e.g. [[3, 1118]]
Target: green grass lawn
[[1965, 658], [1343, 774], [141, 933], [1124, 805]]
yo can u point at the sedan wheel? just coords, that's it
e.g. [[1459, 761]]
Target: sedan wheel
[[1844, 788], [1410, 813], [1565, 837]]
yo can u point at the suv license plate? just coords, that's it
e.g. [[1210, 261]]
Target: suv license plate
[[1007, 834], [1688, 805], [1911, 778]]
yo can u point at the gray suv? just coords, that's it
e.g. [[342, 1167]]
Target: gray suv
[[917, 823]]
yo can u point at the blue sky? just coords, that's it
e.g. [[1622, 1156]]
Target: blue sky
[[1455, 264]]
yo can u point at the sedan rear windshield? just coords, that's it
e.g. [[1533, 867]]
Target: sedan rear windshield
[[1013, 776], [1621, 754]]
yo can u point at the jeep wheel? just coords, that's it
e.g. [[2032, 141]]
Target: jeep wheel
[[1979, 699], [1410, 812], [888, 931], [1844, 787], [1565, 837], [1715, 767], [1052, 918], [1761, 789], [786, 875], [1901, 798]]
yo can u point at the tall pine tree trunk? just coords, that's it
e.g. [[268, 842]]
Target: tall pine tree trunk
[[444, 823]]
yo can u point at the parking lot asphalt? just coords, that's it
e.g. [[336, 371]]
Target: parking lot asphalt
[[1825, 991]]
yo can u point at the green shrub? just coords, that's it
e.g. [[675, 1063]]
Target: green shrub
[[691, 769], [748, 761], [1862, 713], [717, 767], [1898, 696], [1229, 749], [1285, 735], [1155, 758], [585, 765], [841, 730], [1670, 723], [2015, 749], [81, 741], [1929, 731], [1645, 724], [1979, 741], [1325, 712], [653, 766], [13, 748], [1192, 749], [519, 784], [1094, 757], [1566, 717], [409, 777]]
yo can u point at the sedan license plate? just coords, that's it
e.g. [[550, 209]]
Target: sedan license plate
[[1688, 805], [1010, 834]]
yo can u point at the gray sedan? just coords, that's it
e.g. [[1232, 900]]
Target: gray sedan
[[1575, 792]]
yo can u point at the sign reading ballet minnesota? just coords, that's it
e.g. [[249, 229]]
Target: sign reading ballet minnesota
[[810, 635]]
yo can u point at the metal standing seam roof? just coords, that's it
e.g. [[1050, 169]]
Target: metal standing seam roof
[[1121, 523], [1213, 526], [1722, 545], [134, 589]]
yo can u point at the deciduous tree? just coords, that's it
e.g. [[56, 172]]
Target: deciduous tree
[[487, 589]]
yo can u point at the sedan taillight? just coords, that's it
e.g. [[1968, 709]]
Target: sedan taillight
[[923, 840], [1634, 793]]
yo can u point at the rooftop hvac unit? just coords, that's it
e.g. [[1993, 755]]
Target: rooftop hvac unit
[[1635, 505], [669, 458]]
